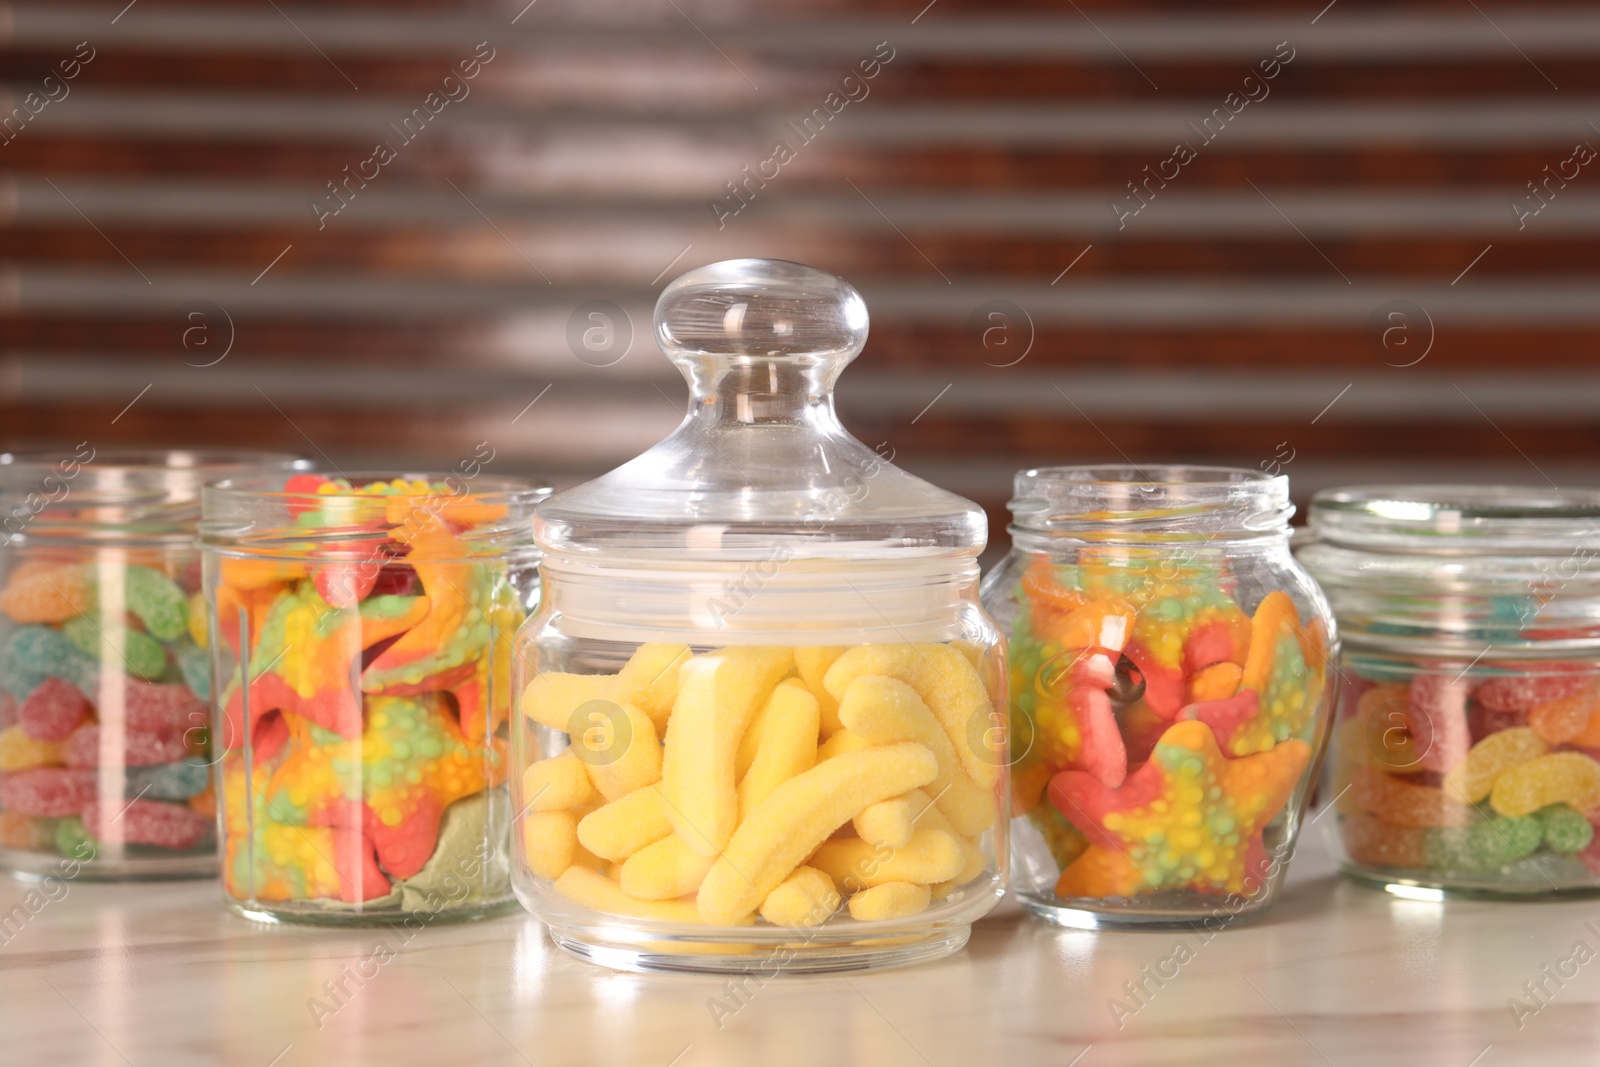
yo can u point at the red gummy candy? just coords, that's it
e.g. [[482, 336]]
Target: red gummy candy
[[1226, 715], [1102, 752], [405, 849], [52, 711], [1482, 722], [147, 822], [396, 579], [48, 792], [1210, 643], [141, 748], [162, 707], [1524, 692], [302, 485], [1437, 720], [1163, 685]]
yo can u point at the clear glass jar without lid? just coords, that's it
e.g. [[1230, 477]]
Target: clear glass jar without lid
[[759, 700], [1169, 692], [1466, 757]]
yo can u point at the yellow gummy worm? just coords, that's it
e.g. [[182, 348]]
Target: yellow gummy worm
[[974, 860], [806, 898], [664, 870], [891, 900], [933, 855], [551, 698], [595, 891], [841, 742], [649, 681], [617, 830], [798, 817], [718, 694], [556, 783], [946, 681], [886, 823], [813, 662], [617, 744], [1571, 778], [788, 743], [1472, 778], [884, 710], [549, 841]]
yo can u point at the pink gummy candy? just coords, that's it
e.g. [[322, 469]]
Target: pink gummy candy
[[162, 707], [52, 711], [147, 822], [141, 748], [1524, 692], [48, 792], [1103, 753], [1437, 720]]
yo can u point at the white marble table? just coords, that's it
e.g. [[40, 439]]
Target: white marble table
[[1338, 974]]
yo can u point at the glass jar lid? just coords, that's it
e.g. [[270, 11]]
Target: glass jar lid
[[1474, 519], [760, 460]]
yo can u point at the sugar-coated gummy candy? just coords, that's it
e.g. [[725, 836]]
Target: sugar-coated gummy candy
[[147, 822], [1524, 692], [1472, 779], [1565, 830], [1565, 719], [1560, 777], [23, 831], [1485, 846], [40, 591], [53, 710], [194, 665], [18, 751], [8, 708], [1438, 715], [35, 653], [166, 707], [71, 839], [141, 748], [1405, 803], [139, 653], [158, 602], [50, 792], [168, 781]]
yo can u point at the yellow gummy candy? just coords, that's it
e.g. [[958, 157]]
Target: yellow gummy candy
[[549, 841], [891, 900], [884, 710], [718, 695], [933, 855], [950, 686], [813, 662], [1472, 778], [552, 697], [617, 744], [594, 890], [886, 823], [1571, 778], [664, 870], [649, 681], [556, 783], [805, 898], [798, 817], [787, 743], [18, 751], [841, 742], [196, 622], [617, 830]]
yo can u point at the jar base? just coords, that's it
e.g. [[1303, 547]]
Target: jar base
[[766, 961], [1418, 885], [310, 913], [1109, 915], [34, 866]]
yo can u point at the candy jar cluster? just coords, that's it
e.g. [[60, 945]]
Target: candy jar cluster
[[105, 761], [760, 708], [1467, 752], [361, 641], [1169, 692]]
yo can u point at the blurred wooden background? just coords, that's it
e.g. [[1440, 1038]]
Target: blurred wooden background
[[1338, 283]]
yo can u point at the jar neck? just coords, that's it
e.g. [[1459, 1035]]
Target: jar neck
[[755, 390]]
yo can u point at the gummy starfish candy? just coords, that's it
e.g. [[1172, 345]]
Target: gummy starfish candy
[[1190, 818], [455, 630]]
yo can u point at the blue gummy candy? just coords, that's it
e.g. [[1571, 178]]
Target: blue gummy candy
[[168, 781], [35, 653]]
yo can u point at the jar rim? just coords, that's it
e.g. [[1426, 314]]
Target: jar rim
[[500, 488], [155, 459], [1474, 519], [1150, 502]]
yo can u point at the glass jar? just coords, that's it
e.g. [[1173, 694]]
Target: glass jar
[[759, 701], [1169, 692], [1467, 752], [105, 770], [361, 643]]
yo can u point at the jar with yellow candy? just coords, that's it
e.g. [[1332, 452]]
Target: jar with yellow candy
[[361, 647], [1466, 755], [760, 706], [1170, 692]]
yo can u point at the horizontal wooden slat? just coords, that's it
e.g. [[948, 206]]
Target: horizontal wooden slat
[[485, 253]]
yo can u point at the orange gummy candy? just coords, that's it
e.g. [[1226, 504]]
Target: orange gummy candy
[[1402, 803], [1570, 720], [39, 591], [1376, 843]]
